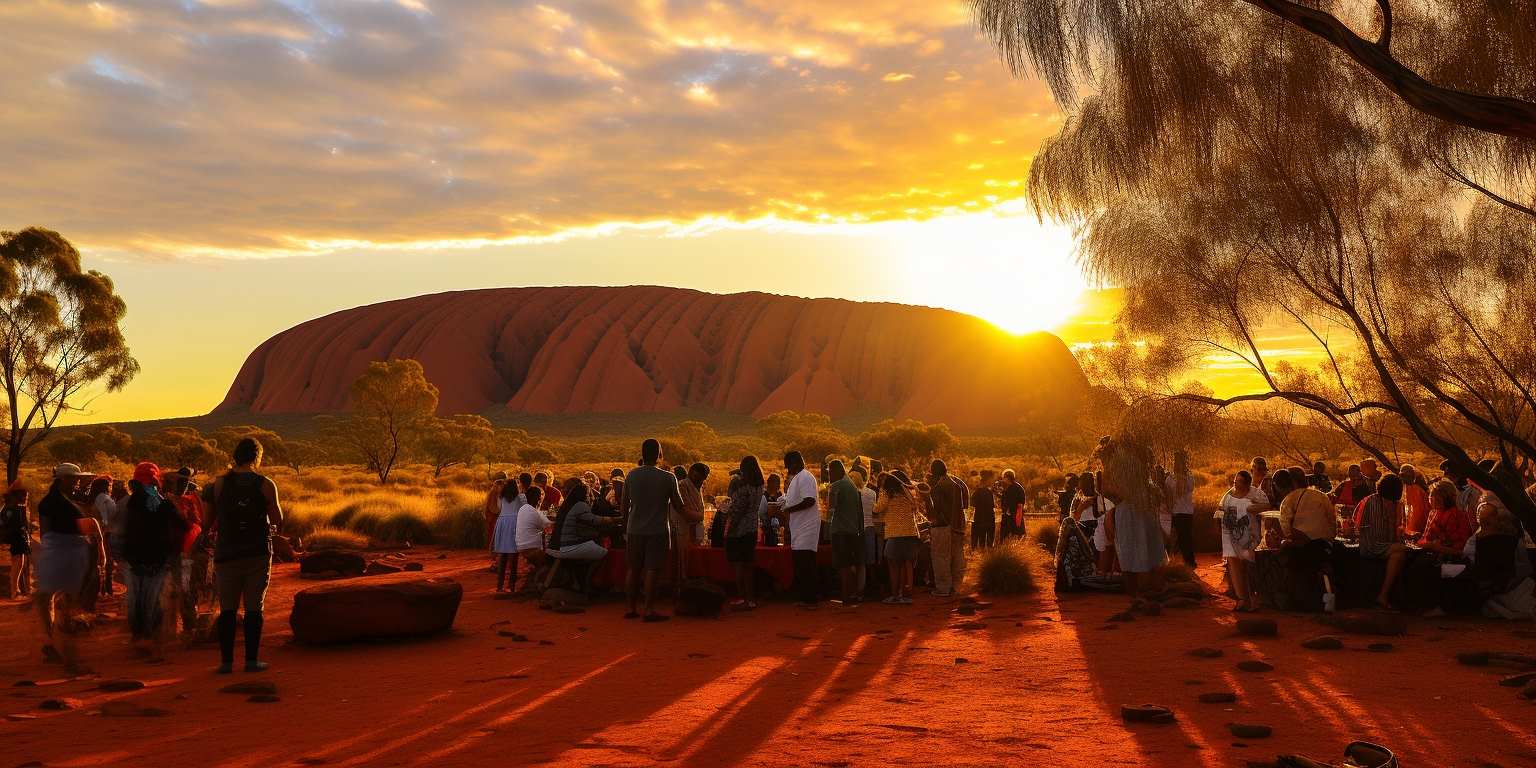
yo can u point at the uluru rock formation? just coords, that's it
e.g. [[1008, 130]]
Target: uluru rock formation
[[651, 349]]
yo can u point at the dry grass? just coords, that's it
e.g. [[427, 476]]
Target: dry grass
[[1043, 533], [1014, 568], [334, 538]]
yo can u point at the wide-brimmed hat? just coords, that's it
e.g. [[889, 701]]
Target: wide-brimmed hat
[[499, 476], [69, 470], [616, 472]]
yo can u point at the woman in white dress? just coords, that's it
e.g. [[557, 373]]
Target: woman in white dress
[[504, 536]]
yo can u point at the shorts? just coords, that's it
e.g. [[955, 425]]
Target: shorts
[[647, 551], [244, 577], [902, 548], [741, 549], [848, 549]]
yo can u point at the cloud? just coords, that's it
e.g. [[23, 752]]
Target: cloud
[[241, 126]]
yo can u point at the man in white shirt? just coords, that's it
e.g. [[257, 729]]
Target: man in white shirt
[[804, 526], [531, 524]]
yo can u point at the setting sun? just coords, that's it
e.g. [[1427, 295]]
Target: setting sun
[[1005, 267]]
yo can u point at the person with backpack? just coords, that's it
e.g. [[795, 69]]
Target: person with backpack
[[246, 511]]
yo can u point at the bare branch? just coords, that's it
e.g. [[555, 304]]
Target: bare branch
[[1501, 115]]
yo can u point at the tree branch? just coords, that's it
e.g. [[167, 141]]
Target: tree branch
[[1500, 115], [1385, 40], [1444, 166]]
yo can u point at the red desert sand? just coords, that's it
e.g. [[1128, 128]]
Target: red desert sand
[[639, 349], [1043, 680]]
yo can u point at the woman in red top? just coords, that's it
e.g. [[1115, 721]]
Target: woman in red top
[[1449, 525], [1415, 501]]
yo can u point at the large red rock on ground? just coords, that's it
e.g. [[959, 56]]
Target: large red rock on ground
[[380, 607], [643, 349]]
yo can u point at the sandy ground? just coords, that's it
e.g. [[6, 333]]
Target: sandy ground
[[873, 685]]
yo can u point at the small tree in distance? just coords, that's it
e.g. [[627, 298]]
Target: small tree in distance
[[909, 442], [391, 403], [454, 441], [82, 447]]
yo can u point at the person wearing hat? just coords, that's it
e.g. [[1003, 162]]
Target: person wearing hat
[[16, 534], [62, 560], [153, 529]]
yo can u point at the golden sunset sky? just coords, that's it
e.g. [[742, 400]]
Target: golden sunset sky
[[239, 166]]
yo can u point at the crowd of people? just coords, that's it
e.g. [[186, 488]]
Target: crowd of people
[[1442, 545], [175, 547], [865, 515]]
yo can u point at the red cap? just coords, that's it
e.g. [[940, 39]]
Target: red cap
[[146, 473]]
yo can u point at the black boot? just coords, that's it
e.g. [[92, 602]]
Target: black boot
[[226, 629], [253, 641]]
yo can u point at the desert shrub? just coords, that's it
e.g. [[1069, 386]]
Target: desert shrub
[[389, 518], [460, 520], [326, 537], [317, 483], [1010, 569], [1044, 533]]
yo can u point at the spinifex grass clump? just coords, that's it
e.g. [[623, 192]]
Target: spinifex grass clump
[[1044, 533], [334, 538], [1010, 569]]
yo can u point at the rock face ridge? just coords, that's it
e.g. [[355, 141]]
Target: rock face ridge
[[642, 349]]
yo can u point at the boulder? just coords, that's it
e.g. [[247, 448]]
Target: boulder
[[1146, 713], [1254, 665], [1207, 653], [1517, 681], [387, 606], [1249, 730], [701, 598], [59, 704], [251, 687], [1497, 658], [120, 685], [1324, 643], [129, 709], [412, 566], [379, 567], [338, 561], [1367, 623], [1218, 697]]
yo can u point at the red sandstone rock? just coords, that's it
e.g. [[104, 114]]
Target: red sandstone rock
[[651, 349]]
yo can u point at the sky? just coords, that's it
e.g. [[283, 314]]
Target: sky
[[238, 166]]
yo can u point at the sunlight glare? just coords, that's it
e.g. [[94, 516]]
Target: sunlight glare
[[1005, 267]]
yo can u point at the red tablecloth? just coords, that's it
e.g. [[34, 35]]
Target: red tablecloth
[[710, 563]]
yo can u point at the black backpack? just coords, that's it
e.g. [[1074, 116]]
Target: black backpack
[[241, 512]]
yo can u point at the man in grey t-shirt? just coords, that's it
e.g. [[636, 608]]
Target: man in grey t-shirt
[[648, 491]]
